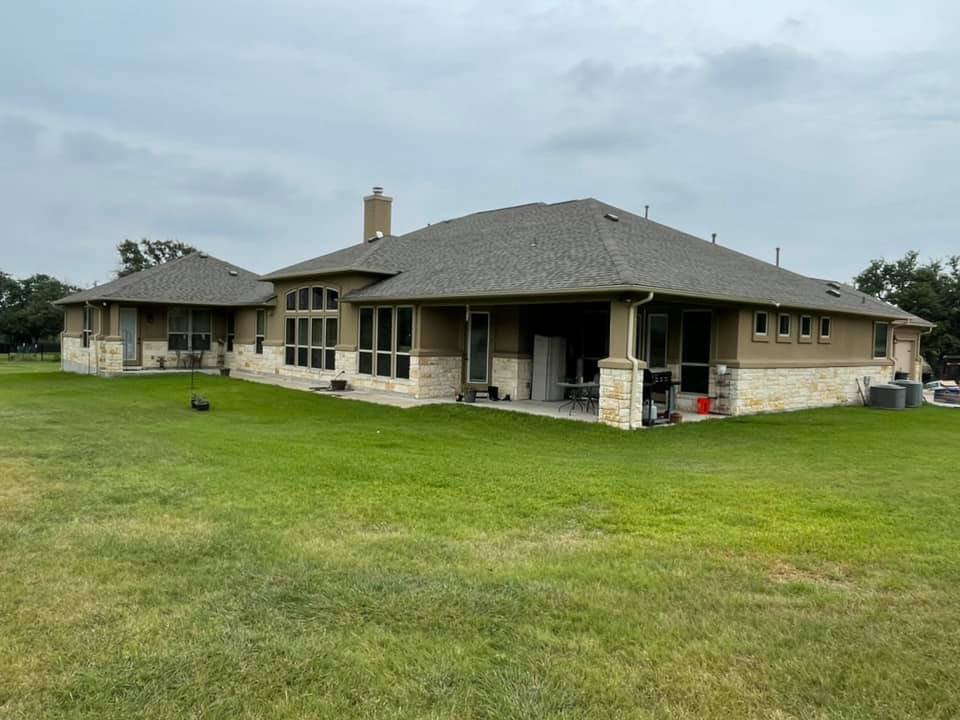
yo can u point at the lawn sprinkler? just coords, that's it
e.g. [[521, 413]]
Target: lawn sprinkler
[[197, 401]]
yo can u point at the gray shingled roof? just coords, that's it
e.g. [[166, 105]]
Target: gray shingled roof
[[355, 257], [195, 279], [572, 246]]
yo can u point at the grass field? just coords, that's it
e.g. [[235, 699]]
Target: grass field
[[289, 555]]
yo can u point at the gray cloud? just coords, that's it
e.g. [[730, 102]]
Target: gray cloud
[[255, 133]]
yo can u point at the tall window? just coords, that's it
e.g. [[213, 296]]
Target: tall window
[[825, 328], [806, 326], [760, 323], [310, 328], [783, 327], [87, 325], [200, 329], [881, 332], [231, 330], [178, 329], [290, 341], [188, 329], [657, 341], [303, 342], [330, 344], [404, 341], [385, 341], [261, 330], [365, 346]]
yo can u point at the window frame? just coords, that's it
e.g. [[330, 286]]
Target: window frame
[[231, 333], [87, 332], [886, 340], [375, 352], [808, 337], [260, 331], [371, 350], [191, 329], [291, 295], [300, 353], [829, 336], [765, 335], [784, 337]]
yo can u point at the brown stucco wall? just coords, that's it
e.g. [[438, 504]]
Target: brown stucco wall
[[246, 325], [851, 340], [442, 330]]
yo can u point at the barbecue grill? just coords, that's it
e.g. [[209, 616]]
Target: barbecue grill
[[657, 381]]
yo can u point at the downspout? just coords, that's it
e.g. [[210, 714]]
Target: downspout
[[634, 361]]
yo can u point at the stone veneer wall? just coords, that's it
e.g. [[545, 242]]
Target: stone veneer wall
[[245, 357], [103, 357], [436, 376], [754, 390], [615, 384], [513, 376]]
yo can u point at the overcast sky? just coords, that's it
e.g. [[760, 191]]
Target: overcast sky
[[253, 129]]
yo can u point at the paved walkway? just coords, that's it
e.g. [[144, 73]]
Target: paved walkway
[[399, 400]]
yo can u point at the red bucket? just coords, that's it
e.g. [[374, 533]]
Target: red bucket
[[703, 406]]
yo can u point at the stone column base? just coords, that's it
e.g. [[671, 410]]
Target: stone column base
[[436, 376], [615, 387]]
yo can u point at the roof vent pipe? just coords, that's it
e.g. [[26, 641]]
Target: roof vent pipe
[[778, 257], [646, 212], [713, 238]]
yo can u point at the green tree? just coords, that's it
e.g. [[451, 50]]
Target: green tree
[[135, 257], [930, 290], [26, 310]]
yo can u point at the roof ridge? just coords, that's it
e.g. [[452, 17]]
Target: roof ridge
[[612, 244]]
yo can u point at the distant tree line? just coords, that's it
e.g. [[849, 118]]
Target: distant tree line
[[930, 290], [26, 312]]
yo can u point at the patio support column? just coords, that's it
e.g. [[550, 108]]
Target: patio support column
[[616, 375]]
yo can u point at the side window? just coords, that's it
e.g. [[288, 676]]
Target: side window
[[760, 319]]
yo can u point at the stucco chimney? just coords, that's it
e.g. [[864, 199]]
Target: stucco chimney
[[376, 214]]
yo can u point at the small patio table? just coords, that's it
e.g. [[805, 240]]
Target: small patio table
[[579, 396]]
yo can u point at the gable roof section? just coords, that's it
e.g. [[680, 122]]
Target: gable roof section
[[575, 246], [195, 279], [354, 258]]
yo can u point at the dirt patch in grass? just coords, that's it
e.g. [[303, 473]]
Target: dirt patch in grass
[[831, 575]]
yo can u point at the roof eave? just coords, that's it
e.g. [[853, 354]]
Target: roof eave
[[359, 296]]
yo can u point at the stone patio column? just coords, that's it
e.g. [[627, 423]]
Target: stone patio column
[[616, 375]]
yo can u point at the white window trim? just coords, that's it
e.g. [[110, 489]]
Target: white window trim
[[800, 327], [789, 331], [829, 327], [756, 315], [375, 351]]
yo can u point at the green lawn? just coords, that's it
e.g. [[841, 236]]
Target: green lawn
[[290, 555]]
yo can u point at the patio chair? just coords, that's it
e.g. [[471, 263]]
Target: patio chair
[[593, 395]]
